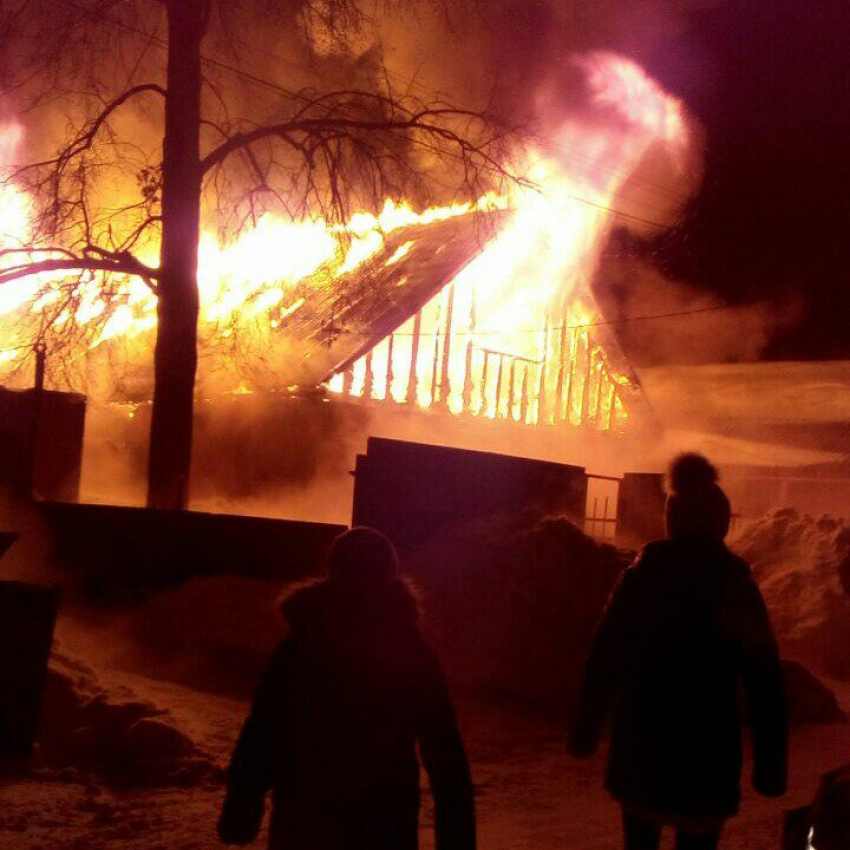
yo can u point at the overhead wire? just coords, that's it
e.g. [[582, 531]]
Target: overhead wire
[[596, 324], [272, 85], [432, 95]]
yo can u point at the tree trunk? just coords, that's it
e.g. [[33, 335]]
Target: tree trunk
[[175, 358]]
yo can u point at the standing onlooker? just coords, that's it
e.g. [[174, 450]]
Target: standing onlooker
[[333, 733], [684, 625]]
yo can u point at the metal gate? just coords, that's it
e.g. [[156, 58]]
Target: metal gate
[[600, 516]]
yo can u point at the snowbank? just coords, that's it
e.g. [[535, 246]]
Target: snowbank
[[214, 634], [88, 731], [512, 604], [797, 561]]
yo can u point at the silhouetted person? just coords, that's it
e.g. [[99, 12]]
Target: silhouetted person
[[685, 624], [335, 725]]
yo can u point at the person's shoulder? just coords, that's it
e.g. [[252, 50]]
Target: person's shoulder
[[651, 559], [656, 552], [737, 567], [657, 548], [283, 653]]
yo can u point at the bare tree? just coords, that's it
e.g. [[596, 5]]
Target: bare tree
[[318, 152]]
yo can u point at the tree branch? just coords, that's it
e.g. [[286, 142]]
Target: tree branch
[[108, 263], [328, 126], [85, 138]]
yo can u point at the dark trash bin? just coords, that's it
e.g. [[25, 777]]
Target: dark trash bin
[[27, 617]]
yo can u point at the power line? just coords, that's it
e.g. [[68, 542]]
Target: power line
[[410, 82], [601, 323], [270, 84]]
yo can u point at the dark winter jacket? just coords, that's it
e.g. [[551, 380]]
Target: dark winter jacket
[[335, 725], [683, 627]]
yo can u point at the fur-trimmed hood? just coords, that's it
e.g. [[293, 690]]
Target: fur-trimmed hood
[[340, 608]]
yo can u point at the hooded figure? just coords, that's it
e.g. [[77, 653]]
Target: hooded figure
[[334, 729], [684, 626]]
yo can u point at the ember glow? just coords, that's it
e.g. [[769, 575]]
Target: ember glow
[[510, 337]]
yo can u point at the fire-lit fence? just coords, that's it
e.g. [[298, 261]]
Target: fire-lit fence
[[548, 372], [415, 492]]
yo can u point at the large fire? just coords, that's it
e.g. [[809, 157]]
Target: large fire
[[511, 337]]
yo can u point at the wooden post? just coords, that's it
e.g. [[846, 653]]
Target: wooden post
[[388, 394], [484, 381], [511, 379], [447, 342], [435, 370], [410, 397], [559, 380], [585, 390], [467, 379], [36, 410], [598, 401], [572, 377], [369, 379], [40, 351], [612, 396], [499, 384], [542, 375], [523, 404]]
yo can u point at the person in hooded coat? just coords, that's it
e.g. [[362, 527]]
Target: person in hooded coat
[[684, 626], [350, 695]]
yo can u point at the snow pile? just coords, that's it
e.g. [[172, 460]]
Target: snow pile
[[512, 604], [88, 731], [212, 633], [797, 561]]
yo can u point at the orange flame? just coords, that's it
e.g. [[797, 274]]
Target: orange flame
[[509, 338]]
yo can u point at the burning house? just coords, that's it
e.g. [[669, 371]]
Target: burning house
[[423, 324], [472, 317]]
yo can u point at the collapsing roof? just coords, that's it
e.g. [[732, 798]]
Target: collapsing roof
[[410, 326], [344, 316]]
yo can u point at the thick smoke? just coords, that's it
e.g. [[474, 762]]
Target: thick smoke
[[691, 327], [507, 52], [519, 59]]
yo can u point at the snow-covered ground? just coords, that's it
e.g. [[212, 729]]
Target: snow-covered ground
[[531, 795]]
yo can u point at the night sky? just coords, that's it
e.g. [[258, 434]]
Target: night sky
[[770, 82]]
